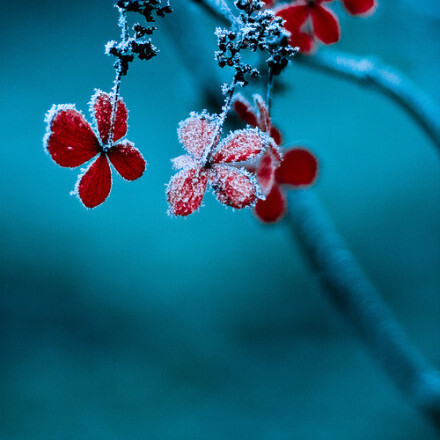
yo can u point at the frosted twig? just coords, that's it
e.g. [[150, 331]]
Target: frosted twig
[[350, 290], [118, 66]]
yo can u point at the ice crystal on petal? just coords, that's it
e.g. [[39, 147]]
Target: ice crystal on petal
[[234, 187], [241, 145], [186, 190], [198, 132]]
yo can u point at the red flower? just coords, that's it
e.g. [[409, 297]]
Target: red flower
[[211, 161], [71, 142], [324, 23], [296, 168]]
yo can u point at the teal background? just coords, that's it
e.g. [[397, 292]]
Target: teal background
[[123, 323]]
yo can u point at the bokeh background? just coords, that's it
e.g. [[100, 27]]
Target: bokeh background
[[123, 323]]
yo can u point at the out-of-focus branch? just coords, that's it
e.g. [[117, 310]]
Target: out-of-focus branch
[[369, 72], [347, 286]]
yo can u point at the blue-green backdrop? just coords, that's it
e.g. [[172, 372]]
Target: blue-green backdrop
[[123, 323]]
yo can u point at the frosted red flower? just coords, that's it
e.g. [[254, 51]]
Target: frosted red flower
[[322, 21], [71, 141], [296, 168], [213, 162]]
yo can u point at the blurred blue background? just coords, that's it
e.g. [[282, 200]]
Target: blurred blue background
[[123, 323]]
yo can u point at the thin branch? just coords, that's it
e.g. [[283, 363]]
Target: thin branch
[[347, 286], [370, 72]]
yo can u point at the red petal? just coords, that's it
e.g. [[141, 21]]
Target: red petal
[[360, 7], [299, 167], [197, 133], [241, 145], [69, 139], [244, 110], [102, 111], [295, 15], [233, 187], [266, 172], [325, 24], [94, 185], [303, 40], [275, 134], [127, 160], [186, 190], [273, 207], [263, 117]]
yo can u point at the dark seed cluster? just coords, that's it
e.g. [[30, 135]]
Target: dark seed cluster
[[254, 29], [137, 45], [147, 8]]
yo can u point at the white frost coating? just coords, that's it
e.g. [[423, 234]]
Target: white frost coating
[[226, 146], [178, 193], [190, 135], [218, 178], [184, 161]]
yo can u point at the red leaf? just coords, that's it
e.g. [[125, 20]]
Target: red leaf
[[244, 110], [102, 112], [94, 185], [325, 24], [360, 7], [273, 207], [298, 167], [233, 187], [197, 133], [295, 15], [127, 160], [240, 145], [186, 190], [70, 139]]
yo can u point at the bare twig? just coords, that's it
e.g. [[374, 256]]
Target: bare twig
[[347, 286]]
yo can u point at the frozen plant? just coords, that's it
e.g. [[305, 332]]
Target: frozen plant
[[250, 167]]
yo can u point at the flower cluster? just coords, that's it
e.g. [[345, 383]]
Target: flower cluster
[[297, 167], [253, 29], [137, 45], [216, 162], [71, 142], [310, 20]]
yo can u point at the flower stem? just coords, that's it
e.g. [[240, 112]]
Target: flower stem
[[349, 289], [118, 67]]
